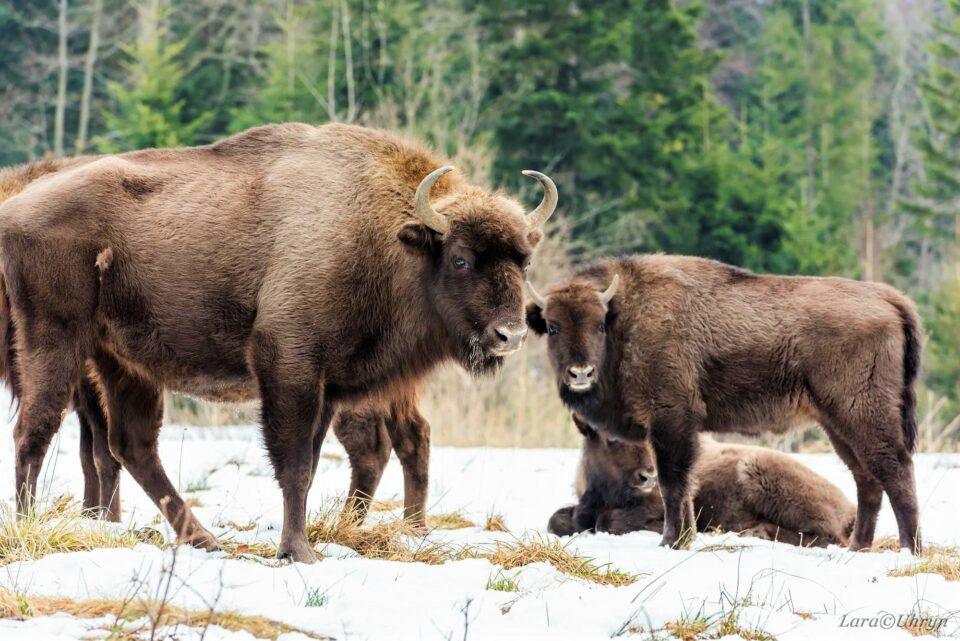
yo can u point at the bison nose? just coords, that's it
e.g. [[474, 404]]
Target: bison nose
[[509, 338], [645, 480], [581, 374]]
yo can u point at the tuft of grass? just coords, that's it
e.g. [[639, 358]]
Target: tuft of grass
[[18, 606], [936, 559], [688, 629], [384, 506], [537, 549], [237, 527], [495, 523], [946, 565], [316, 598], [503, 583], [394, 540], [62, 527], [450, 521]]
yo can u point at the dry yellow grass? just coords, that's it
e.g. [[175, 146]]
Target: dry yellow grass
[[935, 559], [384, 506], [449, 521], [62, 527], [393, 540], [18, 606], [495, 523], [946, 565], [536, 549]]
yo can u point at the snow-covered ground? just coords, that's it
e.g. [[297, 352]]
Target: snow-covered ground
[[786, 592]]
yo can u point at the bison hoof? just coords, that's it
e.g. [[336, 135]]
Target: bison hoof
[[202, 540], [298, 551]]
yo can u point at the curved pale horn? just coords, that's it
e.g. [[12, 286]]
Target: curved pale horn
[[538, 216], [421, 202], [607, 296], [535, 295]]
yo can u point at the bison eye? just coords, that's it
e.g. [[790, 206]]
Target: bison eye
[[601, 327], [460, 263], [552, 329]]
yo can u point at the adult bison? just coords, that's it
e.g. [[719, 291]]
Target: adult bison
[[736, 488], [304, 265], [101, 472], [688, 344]]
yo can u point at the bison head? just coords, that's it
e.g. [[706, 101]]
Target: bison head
[[479, 245], [619, 469], [575, 319]]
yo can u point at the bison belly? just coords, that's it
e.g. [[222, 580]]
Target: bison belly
[[195, 343]]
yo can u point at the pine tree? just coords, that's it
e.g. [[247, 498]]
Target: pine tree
[[936, 209], [147, 111]]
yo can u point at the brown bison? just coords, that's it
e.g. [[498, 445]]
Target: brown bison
[[663, 347], [101, 472], [751, 490], [302, 265]]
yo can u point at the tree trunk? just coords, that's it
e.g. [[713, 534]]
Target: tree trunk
[[61, 81], [88, 67], [808, 105], [348, 62]]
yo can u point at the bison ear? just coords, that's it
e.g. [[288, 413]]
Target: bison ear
[[534, 237], [535, 319], [418, 236]]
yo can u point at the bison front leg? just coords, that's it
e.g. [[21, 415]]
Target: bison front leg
[[291, 393], [410, 434], [675, 444], [365, 439]]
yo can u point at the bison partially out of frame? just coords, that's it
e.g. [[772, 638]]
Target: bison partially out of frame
[[302, 265], [664, 347], [736, 488]]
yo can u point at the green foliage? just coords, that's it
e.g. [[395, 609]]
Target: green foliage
[[942, 364], [147, 111], [503, 583]]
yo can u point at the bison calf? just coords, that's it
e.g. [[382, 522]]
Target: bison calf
[[738, 488], [662, 347]]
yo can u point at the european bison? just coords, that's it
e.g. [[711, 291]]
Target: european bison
[[737, 488], [304, 265], [685, 345], [101, 472]]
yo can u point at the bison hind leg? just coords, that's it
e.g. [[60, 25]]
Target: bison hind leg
[[365, 439]]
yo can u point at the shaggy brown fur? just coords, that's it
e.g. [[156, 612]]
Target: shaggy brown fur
[[101, 472], [752, 490], [368, 432], [689, 344], [267, 264]]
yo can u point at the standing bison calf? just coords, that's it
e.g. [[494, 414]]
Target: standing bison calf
[[667, 346], [737, 488]]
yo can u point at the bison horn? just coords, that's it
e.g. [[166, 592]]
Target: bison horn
[[538, 216], [607, 296], [422, 209], [535, 295]]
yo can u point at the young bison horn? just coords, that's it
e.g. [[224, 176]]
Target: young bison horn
[[535, 295], [607, 296], [421, 202], [538, 216]]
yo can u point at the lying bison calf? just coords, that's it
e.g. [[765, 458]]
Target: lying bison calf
[[687, 344], [737, 488]]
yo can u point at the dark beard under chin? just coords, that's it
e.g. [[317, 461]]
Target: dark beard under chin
[[476, 359], [587, 404]]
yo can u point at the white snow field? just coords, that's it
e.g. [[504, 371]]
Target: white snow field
[[773, 590]]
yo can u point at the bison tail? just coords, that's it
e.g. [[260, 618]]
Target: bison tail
[[912, 346], [9, 374]]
